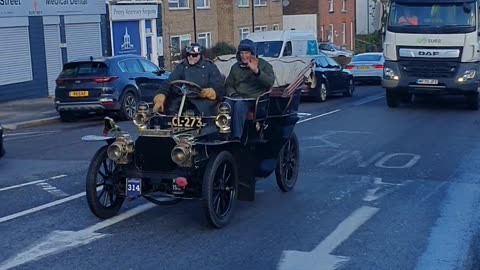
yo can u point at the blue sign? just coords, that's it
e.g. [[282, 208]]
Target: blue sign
[[126, 38], [312, 48]]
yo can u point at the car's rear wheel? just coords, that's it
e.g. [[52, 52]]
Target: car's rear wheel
[[351, 88], [129, 105]]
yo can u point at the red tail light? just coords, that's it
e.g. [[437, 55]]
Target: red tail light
[[59, 82], [104, 79], [378, 66], [349, 67]]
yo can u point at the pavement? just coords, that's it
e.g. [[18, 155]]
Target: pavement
[[28, 113]]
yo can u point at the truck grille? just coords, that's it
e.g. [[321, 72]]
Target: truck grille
[[429, 69]]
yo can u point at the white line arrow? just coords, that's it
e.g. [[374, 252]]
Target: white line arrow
[[319, 257], [59, 241]]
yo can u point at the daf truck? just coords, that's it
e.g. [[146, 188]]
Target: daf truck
[[431, 47]]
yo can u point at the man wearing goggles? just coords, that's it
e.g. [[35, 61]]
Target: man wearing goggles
[[195, 68]]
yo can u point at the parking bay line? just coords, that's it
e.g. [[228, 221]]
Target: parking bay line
[[318, 116], [41, 207], [33, 182]]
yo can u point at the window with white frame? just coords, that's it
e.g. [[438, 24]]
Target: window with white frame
[[173, 4], [344, 5], [202, 3], [260, 28], [344, 36], [275, 27], [330, 5], [260, 3], [330, 33], [243, 32], [242, 3], [178, 43], [205, 39]]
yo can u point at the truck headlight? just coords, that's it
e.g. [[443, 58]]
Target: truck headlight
[[390, 74], [468, 75]]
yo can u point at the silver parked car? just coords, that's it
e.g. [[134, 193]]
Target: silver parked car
[[367, 67], [332, 50]]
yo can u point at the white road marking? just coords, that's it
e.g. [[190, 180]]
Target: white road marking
[[317, 116], [30, 133], [368, 99], [319, 257], [41, 207], [371, 193], [433, 191], [59, 241], [52, 190], [33, 182], [413, 160]]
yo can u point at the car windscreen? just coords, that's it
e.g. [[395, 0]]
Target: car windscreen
[[269, 48], [84, 69], [364, 58]]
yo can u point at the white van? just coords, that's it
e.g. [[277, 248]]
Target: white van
[[285, 43]]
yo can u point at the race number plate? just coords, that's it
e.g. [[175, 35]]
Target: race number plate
[[187, 121], [133, 187], [427, 81]]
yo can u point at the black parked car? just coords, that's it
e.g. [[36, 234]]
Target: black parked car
[[109, 85], [331, 78], [2, 149]]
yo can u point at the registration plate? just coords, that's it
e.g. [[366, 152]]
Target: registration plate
[[427, 81], [362, 67], [187, 121], [79, 94], [133, 187]]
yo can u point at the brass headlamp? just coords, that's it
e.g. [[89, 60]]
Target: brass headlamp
[[141, 117], [182, 153], [120, 150], [223, 118]]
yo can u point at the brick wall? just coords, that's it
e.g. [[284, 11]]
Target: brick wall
[[337, 17], [297, 7]]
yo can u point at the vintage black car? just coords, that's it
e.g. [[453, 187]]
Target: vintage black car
[[187, 155]]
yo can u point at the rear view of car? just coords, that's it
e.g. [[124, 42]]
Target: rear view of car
[[84, 87], [367, 67]]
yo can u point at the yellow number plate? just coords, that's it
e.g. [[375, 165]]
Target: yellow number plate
[[187, 121], [79, 94], [363, 67]]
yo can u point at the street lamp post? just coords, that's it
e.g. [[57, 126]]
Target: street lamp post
[[194, 21], [253, 15]]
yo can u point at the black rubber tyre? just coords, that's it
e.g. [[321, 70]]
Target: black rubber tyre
[[351, 89], [288, 164], [220, 189], [111, 202], [393, 100], [472, 101], [129, 106]]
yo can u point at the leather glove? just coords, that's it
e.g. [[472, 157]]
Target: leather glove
[[158, 102], [208, 93]]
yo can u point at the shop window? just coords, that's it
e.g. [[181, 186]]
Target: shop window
[[173, 4], [205, 39], [202, 3]]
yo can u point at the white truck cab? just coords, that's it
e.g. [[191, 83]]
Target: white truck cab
[[285, 43]]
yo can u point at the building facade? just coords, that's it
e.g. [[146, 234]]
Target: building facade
[[241, 19], [136, 28], [333, 20], [42, 36]]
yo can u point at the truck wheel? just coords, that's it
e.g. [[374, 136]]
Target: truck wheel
[[472, 101], [392, 99]]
